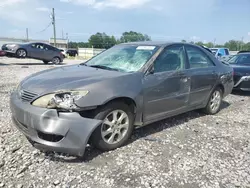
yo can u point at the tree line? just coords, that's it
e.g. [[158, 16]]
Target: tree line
[[102, 40]]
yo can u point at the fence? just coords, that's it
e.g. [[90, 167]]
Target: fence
[[87, 53]]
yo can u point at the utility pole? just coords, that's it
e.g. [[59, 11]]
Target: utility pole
[[27, 34], [214, 41], [67, 37], [54, 25], [62, 34]]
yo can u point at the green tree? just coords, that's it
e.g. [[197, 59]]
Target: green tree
[[209, 45], [232, 45], [200, 43], [246, 46], [133, 36], [183, 41], [72, 45], [101, 40]]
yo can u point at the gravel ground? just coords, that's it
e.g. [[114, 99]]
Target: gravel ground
[[190, 150]]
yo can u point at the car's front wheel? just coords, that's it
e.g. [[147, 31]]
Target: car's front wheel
[[117, 126], [214, 103], [21, 53]]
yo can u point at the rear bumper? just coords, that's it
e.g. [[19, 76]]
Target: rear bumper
[[243, 84], [52, 131]]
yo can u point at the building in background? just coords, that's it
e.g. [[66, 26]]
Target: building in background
[[60, 43]]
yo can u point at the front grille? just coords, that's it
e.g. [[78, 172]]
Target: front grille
[[27, 96]]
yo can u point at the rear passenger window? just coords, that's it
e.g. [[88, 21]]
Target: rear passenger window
[[197, 58], [47, 47]]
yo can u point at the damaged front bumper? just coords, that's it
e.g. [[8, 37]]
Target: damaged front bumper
[[50, 130]]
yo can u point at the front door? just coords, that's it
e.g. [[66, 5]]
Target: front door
[[166, 90], [37, 51]]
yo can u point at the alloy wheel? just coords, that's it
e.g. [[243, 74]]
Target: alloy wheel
[[21, 53], [115, 126], [215, 101]]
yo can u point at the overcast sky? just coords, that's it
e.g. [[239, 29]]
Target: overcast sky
[[197, 20]]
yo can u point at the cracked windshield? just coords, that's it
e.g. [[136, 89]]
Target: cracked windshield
[[127, 58]]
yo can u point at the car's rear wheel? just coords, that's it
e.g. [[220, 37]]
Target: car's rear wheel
[[214, 102], [21, 53], [117, 126], [46, 62], [56, 60]]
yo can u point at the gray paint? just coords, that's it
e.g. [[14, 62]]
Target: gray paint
[[156, 96], [35, 53]]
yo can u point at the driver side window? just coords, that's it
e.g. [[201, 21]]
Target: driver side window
[[171, 58], [37, 46]]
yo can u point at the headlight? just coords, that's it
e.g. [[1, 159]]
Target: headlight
[[64, 100], [11, 46]]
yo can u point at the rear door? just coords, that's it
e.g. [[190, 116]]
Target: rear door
[[203, 74], [49, 52]]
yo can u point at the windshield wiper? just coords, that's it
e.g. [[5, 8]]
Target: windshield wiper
[[103, 67]]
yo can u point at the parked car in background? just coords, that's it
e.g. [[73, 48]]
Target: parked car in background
[[72, 52], [2, 53], [129, 85], [220, 53], [243, 51], [39, 51], [241, 66]]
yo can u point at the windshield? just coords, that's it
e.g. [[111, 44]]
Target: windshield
[[124, 58], [233, 59], [242, 59]]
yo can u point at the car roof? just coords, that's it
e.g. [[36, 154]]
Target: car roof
[[155, 43], [243, 53]]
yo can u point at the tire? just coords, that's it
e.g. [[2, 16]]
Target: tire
[[56, 60], [45, 62], [98, 138], [214, 102], [21, 53]]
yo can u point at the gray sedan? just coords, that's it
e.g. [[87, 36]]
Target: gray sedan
[[129, 85], [39, 51]]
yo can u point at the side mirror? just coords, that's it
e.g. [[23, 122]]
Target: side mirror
[[219, 54]]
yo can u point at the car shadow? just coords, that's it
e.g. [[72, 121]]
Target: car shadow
[[241, 93], [4, 64], [142, 133]]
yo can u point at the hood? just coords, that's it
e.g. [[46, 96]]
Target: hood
[[241, 69], [68, 77]]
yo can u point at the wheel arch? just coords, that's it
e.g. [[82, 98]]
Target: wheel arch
[[221, 87], [127, 100]]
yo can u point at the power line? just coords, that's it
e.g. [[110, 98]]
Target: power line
[[44, 28]]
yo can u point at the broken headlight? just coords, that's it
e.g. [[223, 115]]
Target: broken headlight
[[62, 100]]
